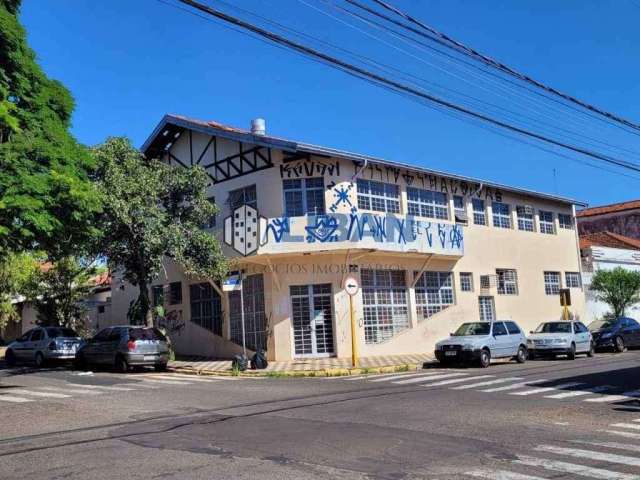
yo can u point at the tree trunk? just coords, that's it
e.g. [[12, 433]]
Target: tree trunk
[[145, 305]]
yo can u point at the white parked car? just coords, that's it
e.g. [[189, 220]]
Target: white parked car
[[560, 338], [481, 341]]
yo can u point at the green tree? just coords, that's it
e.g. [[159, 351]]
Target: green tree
[[16, 271], [47, 199], [57, 292], [153, 211], [619, 288]]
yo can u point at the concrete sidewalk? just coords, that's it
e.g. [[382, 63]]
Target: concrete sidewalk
[[308, 366]]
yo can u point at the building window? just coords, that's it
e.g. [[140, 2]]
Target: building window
[[100, 308], [552, 283], [546, 222], [466, 281], [572, 279], [378, 196], [255, 320], [501, 215], [175, 293], [487, 309], [303, 196], [384, 297], [243, 196], [565, 221], [507, 282], [434, 292], [479, 215], [525, 218], [211, 223], [459, 209], [206, 307], [157, 294], [426, 203]]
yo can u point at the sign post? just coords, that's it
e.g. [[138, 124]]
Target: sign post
[[351, 286], [233, 283]]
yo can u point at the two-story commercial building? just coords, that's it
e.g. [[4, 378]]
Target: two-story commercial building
[[429, 250]]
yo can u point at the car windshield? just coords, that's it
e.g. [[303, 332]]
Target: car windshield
[[601, 325], [55, 332], [554, 327], [145, 334], [476, 328]]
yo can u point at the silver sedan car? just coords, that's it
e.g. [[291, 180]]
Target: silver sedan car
[[43, 344]]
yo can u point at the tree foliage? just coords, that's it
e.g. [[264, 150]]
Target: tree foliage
[[47, 200], [16, 270], [619, 288], [153, 211]]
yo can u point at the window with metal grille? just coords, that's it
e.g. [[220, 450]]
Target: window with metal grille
[[507, 282], [206, 307], [157, 293], [303, 196], [552, 283], [565, 221], [434, 292], [459, 209], [572, 279], [312, 318], [255, 320], [485, 281], [479, 212], [525, 219], [243, 196], [384, 297], [427, 203], [378, 196], [175, 293], [487, 309], [546, 222], [466, 281], [211, 223], [501, 215]]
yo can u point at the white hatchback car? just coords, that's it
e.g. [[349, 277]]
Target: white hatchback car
[[562, 337], [482, 341]]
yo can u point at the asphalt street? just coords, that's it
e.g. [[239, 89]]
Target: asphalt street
[[546, 419]]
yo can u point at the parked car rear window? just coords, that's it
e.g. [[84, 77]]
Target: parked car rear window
[[600, 324], [36, 336], [145, 334], [55, 332], [554, 327], [475, 328], [512, 328]]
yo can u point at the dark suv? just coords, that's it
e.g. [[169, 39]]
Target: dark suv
[[617, 333], [125, 346]]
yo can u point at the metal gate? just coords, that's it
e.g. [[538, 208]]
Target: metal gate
[[312, 313]]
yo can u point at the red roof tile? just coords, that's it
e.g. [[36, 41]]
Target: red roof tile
[[613, 208], [608, 239]]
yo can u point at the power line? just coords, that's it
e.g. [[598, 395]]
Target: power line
[[397, 86], [505, 68]]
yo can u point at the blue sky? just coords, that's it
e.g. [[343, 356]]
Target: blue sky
[[128, 63]]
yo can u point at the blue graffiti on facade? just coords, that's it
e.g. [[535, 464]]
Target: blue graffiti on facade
[[342, 196], [323, 230], [279, 227]]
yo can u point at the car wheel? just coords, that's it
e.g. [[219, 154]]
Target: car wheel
[[10, 358], [39, 360], [485, 358], [121, 364], [619, 344], [571, 354], [80, 363], [592, 350], [521, 357], [161, 367]]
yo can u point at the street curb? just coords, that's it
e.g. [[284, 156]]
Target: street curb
[[327, 372]]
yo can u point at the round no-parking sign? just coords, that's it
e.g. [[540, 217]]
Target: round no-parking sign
[[351, 285]]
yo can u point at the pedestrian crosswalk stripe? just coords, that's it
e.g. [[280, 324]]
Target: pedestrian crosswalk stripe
[[73, 390], [429, 378], [31, 393], [514, 386], [624, 434], [616, 445], [12, 399], [451, 381], [578, 393], [535, 391], [607, 398], [631, 426], [401, 376], [106, 387], [591, 454], [484, 384], [500, 475], [566, 467]]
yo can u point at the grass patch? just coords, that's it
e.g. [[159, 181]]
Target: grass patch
[[402, 368]]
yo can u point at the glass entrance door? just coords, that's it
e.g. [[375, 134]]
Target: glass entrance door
[[312, 316]]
